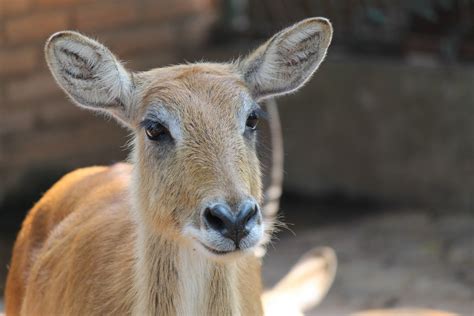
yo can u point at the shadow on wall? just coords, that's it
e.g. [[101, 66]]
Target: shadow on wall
[[384, 129], [35, 182]]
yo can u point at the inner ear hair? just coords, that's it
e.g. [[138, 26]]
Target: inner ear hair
[[89, 73], [287, 61]]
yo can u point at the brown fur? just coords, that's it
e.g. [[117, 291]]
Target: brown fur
[[90, 278]]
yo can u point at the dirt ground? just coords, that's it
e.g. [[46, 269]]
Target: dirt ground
[[399, 258], [402, 258]]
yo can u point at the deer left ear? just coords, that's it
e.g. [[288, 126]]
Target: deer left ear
[[90, 74], [285, 62]]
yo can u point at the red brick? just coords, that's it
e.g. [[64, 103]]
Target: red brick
[[106, 15], [39, 116], [60, 112], [17, 61], [32, 88], [145, 62], [3, 39], [16, 121], [137, 40], [57, 3], [56, 143], [169, 9], [13, 7], [36, 26], [194, 31]]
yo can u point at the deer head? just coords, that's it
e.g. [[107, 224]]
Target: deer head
[[196, 172]]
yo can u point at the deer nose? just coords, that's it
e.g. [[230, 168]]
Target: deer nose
[[234, 226]]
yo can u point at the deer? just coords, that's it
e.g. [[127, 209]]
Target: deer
[[178, 230], [174, 231]]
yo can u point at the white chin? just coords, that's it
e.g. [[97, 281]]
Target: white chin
[[215, 245], [218, 252]]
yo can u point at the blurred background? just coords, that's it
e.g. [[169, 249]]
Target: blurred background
[[379, 145]]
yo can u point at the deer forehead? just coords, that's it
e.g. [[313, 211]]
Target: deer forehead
[[188, 98]]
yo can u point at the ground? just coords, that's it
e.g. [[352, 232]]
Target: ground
[[399, 257]]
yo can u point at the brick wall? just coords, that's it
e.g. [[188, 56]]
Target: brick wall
[[39, 128]]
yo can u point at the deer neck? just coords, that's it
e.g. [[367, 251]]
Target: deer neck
[[177, 279]]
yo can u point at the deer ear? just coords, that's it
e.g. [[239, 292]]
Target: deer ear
[[285, 62], [90, 74]]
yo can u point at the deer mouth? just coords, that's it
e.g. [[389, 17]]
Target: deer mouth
[[218, 252]]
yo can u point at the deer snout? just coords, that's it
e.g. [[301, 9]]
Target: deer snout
[[234, 225]]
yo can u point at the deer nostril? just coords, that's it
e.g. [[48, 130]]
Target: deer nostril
[[251, 214], [247, 215], [220, 218], [213, 221]]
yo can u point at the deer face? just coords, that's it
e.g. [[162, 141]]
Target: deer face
[[196, 172], [195, 155]]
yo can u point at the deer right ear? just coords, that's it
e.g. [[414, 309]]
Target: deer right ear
[[285, 62], [90, 74]]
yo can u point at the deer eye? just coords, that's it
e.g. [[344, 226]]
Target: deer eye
[[252, 121], [156, 131]]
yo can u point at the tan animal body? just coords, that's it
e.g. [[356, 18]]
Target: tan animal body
[[174, 232]]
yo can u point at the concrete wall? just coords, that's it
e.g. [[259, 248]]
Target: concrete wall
[[383, 129]]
